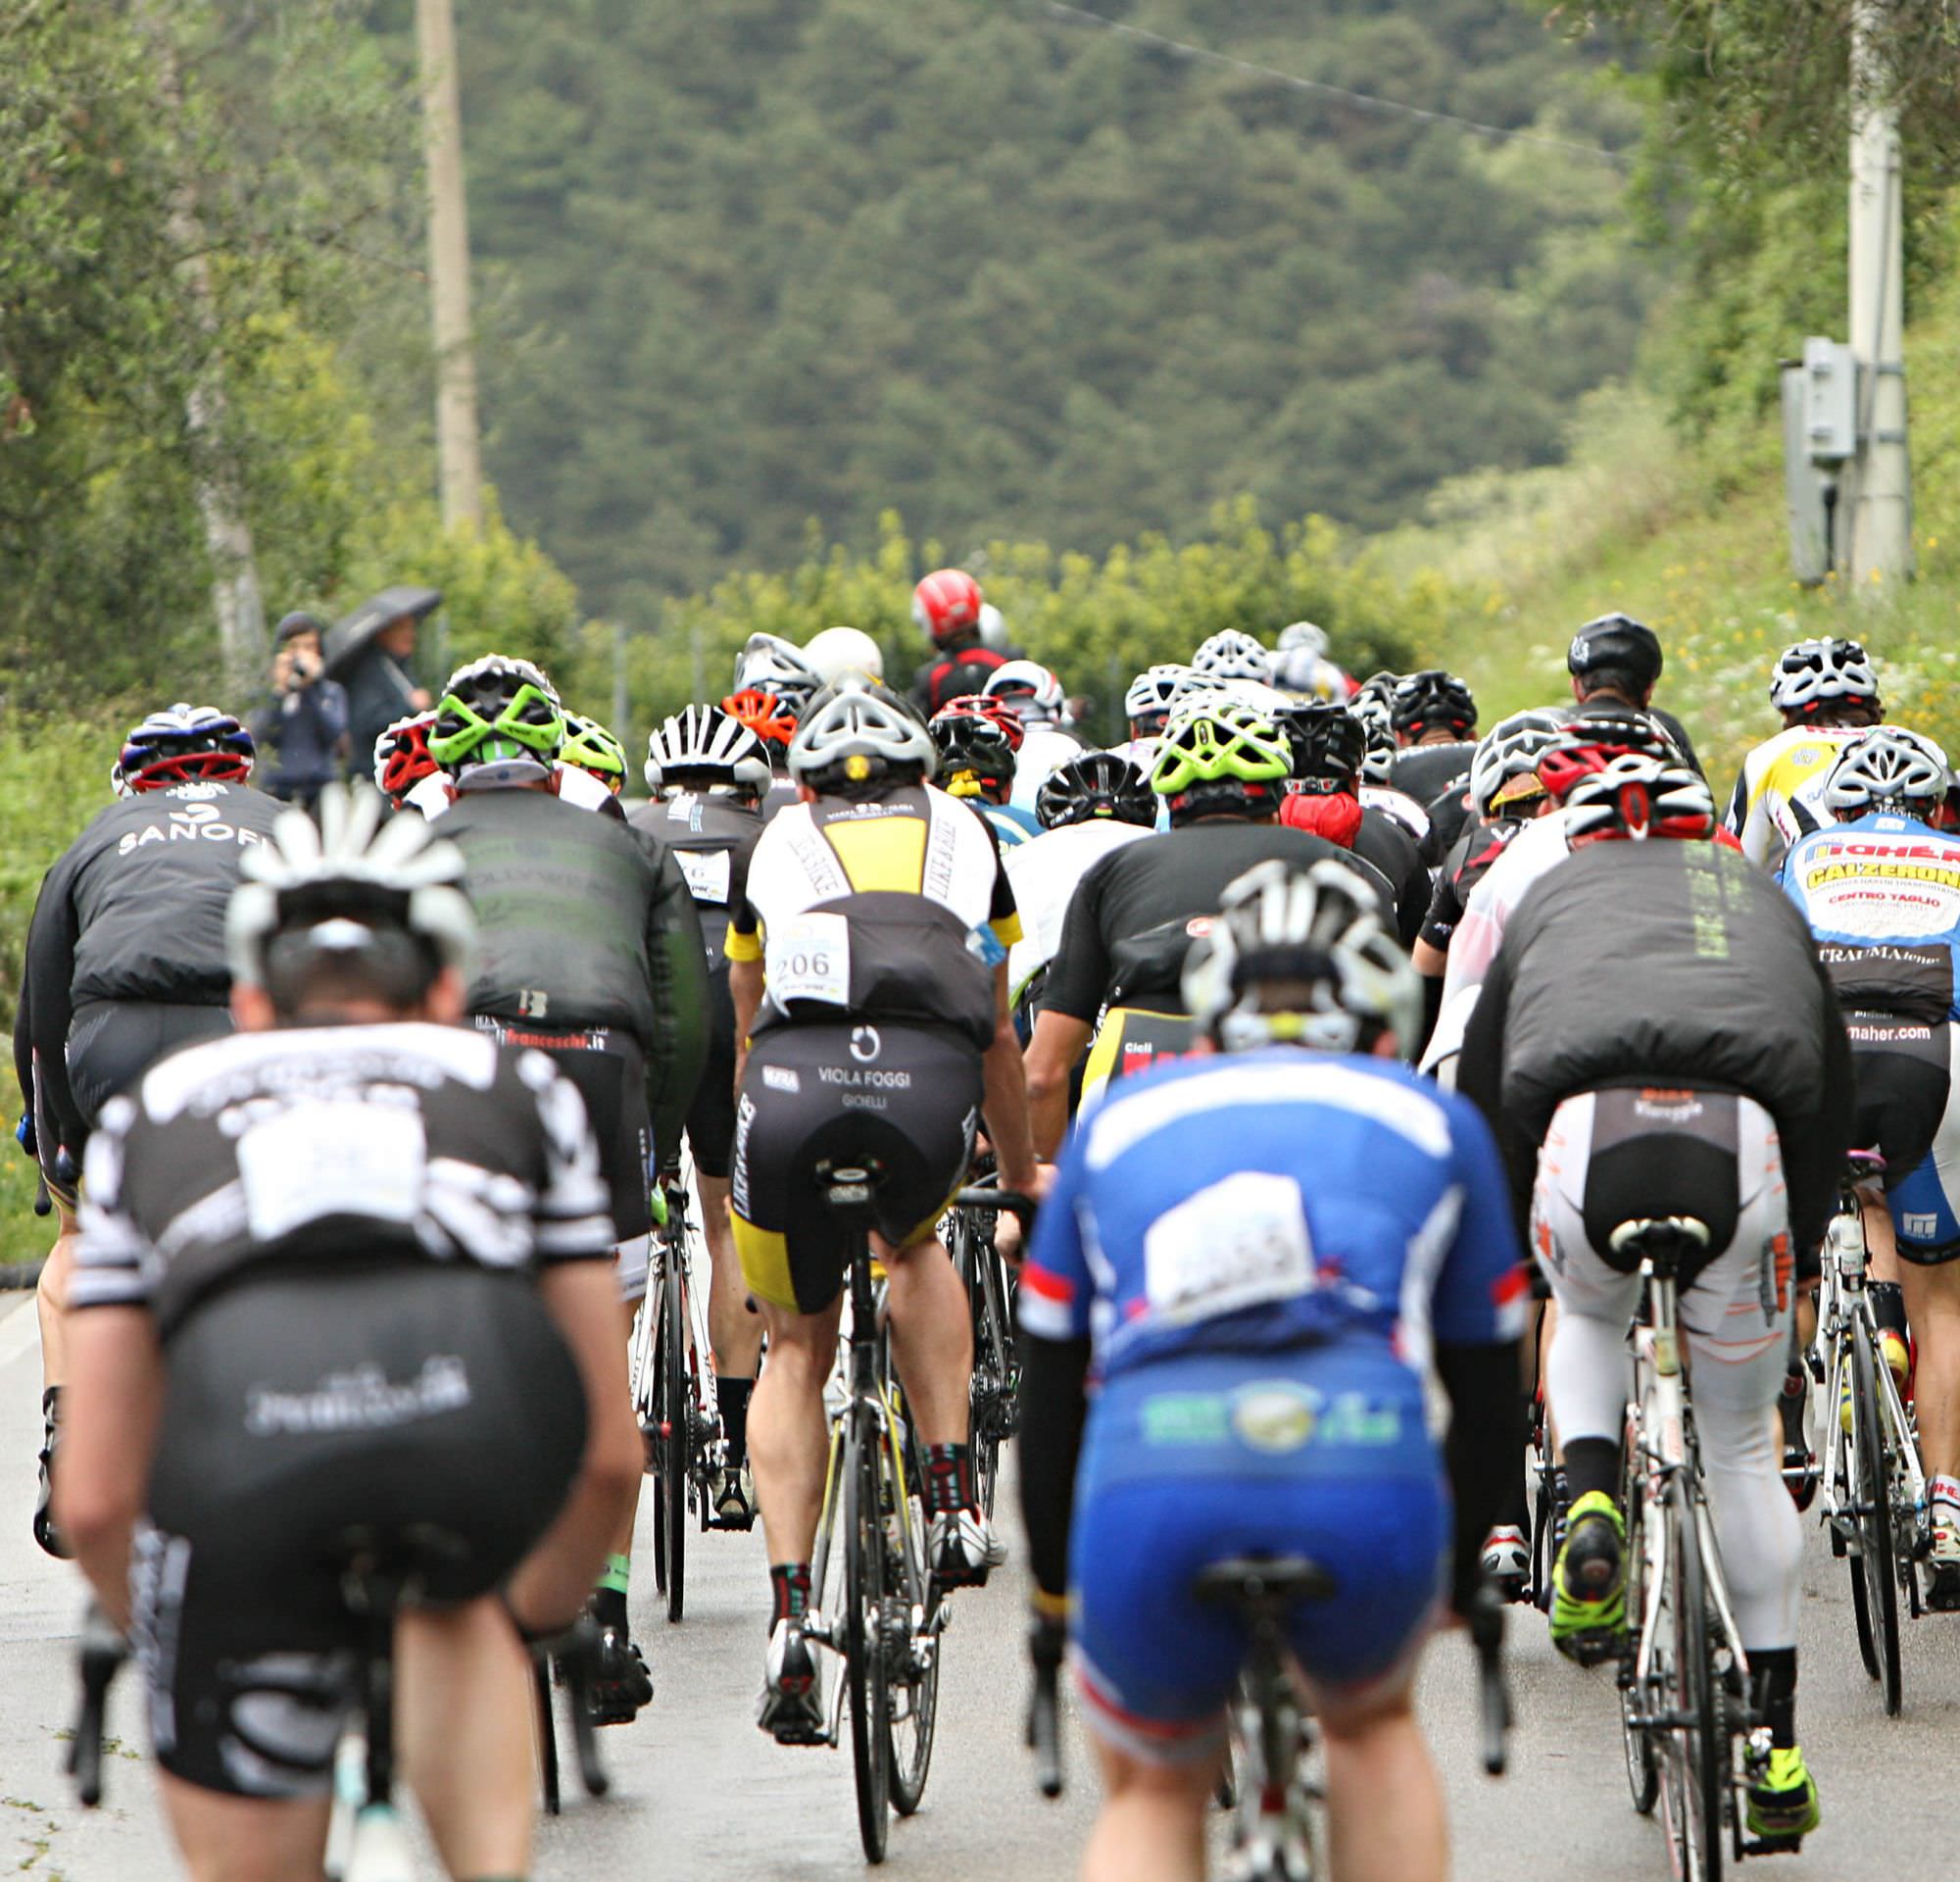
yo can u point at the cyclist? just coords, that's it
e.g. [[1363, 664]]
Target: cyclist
[[867, 956], [1035, 698], [391, 1329], [1378, 769], [1880, 889], [1301, 665], [1829, 696], [948, 608], [1232, 655], [404, 769], [126, 959], [769, 664], [589, 950], [976, 740], [590, 748], [838, 651], [1656, 1038], [708, 772], [1147, 705], [774, 723], [1222, 769], [1258, 1253], [1434, 719], [1323, 795], [1615, 663]]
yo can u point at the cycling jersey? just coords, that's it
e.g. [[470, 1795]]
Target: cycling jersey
[[1882, 895], [1425, 771], [1779, 793], [954, 676], [1399, 805], [1011, 827], [1044, 873], [1044, 751], [1477, 846]]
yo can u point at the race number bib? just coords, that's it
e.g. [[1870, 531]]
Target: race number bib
[[808, 958], [332, 1158], [1237, 1244], [707, 872]]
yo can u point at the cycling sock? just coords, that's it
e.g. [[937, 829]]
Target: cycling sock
[[1944, 1488], [949, 1478], [609, 1599], [731, 1400], [1774, 1670], [789, 1585], [1888, 1300], [1593, 1463]]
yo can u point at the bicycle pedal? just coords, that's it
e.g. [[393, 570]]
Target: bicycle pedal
[[1773, 1846]]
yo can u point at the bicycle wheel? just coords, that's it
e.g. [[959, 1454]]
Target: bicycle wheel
[[1636, 1741], [1874, 1570], [992, 1386], [913, 1700], [863, 1643], [1694, 1770], [676, 1449]]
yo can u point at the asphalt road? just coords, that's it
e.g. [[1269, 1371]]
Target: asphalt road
[[699, 1792]]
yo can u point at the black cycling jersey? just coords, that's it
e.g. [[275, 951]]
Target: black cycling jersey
[[133, 910], [1426, 772], [1449, 815], [1478, 845], [304, 1145], [1130, 920], [712, 840], [1384, 843]]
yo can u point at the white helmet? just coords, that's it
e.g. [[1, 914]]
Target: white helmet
[[1887, 766], [770, 663], [858, 718], [992, 627], [1810, 671], [705, 742], [1320, 925], [1152, 690], [1306, 638], [1029, 691], [1510, 749], [1194, 688], [1232, 654], [347, 885], [838, 651]]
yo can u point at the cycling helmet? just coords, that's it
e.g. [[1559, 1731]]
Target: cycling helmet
[[1304, 637], [1638, 798], [706, 747], [1619, 642], [1029, 691], [769, 664], [945, 604], [857, 732], [1809, 672], [766, 714], [977, 757], [992, 627], [402, 757], [1422, 702], [998, 711], [838, 651], [1327, 743], [1504, 767], [1149, 697], [1378, 762], [1593, 739], [1319, 928], [498, 712], [593, 750], [184, 744], [1220, 760], [1232, 654], [1097, 787], [1887, 767], [360, 882]]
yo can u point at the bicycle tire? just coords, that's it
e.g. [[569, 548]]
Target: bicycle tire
[[990, 1379], [908, 1733], [1875, 1571], [1693, 1805], [676, 1448], [864, 1648], [1636, 1741]]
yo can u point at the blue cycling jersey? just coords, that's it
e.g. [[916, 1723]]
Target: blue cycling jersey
[[1276, 1199], [1883, 897], [1014, 826]]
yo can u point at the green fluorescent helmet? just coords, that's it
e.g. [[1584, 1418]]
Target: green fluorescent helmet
[[592, 748], [1219, 743], [495, 709]]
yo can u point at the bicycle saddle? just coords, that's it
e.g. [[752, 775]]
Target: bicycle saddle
[[847, 1183], [382, 1570], [1252, 1581], [1665, 1241]]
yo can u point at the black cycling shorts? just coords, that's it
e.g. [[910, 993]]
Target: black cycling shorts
[[710, 1119], [906, 1096], [611, 1073], [432, 1414], [1903, 1081], [1663, 1151]]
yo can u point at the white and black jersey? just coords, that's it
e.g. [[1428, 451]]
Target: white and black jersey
[[335, 1144]]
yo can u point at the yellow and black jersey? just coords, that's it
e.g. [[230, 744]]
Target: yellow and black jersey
[[1779, 796]]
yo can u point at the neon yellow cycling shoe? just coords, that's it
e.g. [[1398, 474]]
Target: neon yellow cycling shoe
[[1784, 1810], [1589, 1582]]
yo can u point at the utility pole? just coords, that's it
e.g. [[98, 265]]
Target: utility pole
[[1882, 504], [457, 447]]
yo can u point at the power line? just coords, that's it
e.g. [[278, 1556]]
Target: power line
[[1365, 101]]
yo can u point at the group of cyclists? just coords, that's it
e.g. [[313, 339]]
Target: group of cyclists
[[345, 1118]]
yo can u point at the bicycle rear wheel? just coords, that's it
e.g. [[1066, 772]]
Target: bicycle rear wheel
[[1875, 1568], [994, 1381], [864, 1645], [676, 1451], [1636, 1741], [912, 1695], [1694, 1770]]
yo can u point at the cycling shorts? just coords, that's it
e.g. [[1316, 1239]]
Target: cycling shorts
[[710, 1119], [906, 1096], [434, 1410], [1322, 1453], [1132, 1039], [1909, 1110], [611, 1073]]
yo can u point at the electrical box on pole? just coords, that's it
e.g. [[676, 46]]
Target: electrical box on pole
[[1820, 435]]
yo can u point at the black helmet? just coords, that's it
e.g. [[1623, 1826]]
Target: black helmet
[[973, 747], [1329, 745], [1619, 643], [1422, 702], [1097, 787]]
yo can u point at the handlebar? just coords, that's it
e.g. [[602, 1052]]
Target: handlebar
[[103, 1650], [983, 1197], [1485, 1624]]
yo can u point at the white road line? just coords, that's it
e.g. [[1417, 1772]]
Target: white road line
[[20, 1332]]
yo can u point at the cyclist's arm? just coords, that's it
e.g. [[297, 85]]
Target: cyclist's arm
[[40, 1031], [677, 961], [1480, 1077], [742, 948], [1816, 1143], [1058, 1043], [1004, 1096], [1078, 978]]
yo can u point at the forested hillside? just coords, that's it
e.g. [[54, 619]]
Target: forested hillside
[[770, 260]]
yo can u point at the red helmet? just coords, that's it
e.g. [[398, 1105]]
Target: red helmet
[[1593, 741], [989, 709], [947, 602], [763, 714], [402, 757]]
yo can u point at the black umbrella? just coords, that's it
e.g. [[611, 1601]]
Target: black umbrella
[[352, 632]]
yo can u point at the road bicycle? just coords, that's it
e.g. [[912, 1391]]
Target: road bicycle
[[1873, 1489], [995, 1401]]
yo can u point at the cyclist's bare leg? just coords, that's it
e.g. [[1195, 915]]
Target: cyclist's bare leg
[[1933, 1310], [622, 1536], [789, 1443], [1152, 1828], [245, 1839], [735, 1333], [1882, 1262], [1385, 1814], [51, 1296], [932, 1338], [463, 1705]]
